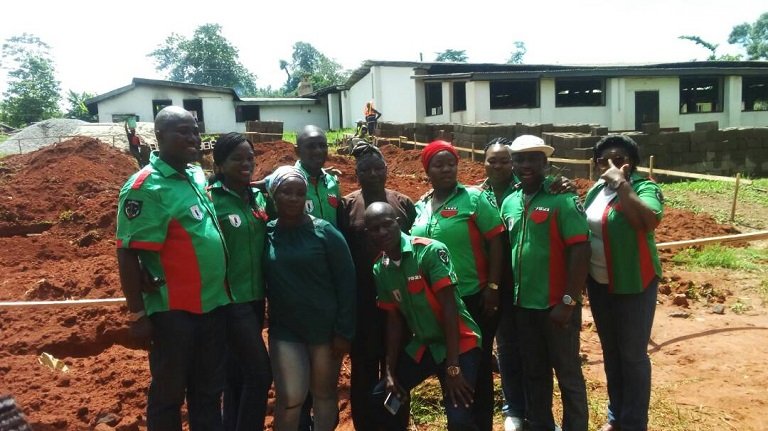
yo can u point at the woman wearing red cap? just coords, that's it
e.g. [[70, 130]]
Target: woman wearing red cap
[[467, 221]]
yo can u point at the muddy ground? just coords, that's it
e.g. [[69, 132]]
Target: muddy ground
[[57, 221]]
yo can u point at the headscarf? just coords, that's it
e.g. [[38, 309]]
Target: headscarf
[[363, 148], [281, 175], [435, 147]]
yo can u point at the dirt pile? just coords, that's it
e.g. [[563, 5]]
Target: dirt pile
[[57, 221]]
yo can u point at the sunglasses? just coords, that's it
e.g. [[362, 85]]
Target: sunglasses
[[618, 161]]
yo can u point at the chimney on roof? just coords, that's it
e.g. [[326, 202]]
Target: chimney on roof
[[305, 86]]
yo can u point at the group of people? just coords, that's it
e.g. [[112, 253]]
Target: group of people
[[435, 282]]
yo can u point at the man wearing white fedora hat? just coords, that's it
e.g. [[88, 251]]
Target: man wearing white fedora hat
[[549, 240]]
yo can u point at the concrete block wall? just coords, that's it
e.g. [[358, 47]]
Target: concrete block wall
[[706, 150], [716, 152], [264, 126]]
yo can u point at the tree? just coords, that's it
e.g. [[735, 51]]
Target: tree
[[308, 61], [208, 58], [516, 57], [753, 37], [453, 55], [33, 92], [712, 47], [77, 108]]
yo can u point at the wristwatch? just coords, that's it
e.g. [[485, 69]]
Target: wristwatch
[[567, 300], [493, 286], [452, 370]]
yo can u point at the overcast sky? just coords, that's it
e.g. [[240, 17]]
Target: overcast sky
[[99, 46]]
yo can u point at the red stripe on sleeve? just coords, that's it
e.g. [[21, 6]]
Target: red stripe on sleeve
[[495, 231], [576, 239], [140, 245], [143, 174], [443, 282], [388, 306]]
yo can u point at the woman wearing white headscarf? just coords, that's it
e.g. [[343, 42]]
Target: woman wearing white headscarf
[[311, 304]]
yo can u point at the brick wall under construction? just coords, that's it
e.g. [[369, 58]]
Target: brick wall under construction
[[707, 150]]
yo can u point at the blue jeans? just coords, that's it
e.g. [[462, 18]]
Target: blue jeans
[[546, 347], [410, 374], [624, 323], [186, 358], [248, 371], [510, 364], [298, 369]]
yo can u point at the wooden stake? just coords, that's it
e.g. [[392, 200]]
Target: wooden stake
[[591, 171], [650, 167], [735, 197], [472, 154], [741, 237]]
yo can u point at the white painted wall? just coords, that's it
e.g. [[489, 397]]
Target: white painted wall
[[401, 98], [218, 108], [294, 118], [623, 111], [357, 96], [334, 111], [396, 94]]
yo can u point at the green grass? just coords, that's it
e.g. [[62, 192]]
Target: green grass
[[333, 136], [718, 256], [664, 413], [675, 193]]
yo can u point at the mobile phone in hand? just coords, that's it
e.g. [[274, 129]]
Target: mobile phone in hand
[[392, 403]]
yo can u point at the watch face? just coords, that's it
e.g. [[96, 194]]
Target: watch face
[[453, 371], [567, 300]]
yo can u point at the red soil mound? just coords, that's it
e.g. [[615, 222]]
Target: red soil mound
[[65, 198]]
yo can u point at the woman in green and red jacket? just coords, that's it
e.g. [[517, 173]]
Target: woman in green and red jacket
[[623, 209]]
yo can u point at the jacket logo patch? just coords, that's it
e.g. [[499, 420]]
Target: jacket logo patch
[[443, 255], [132, 208], [234, 220], [414, 278], [309, 206], [659, 196], [510, 223], [449, 211], [196, 212], [333, 200], [540, 214], [579, 206]]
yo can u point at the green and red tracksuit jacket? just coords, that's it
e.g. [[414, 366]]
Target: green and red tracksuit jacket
[[244, 226], [464, 223], [323, 195], [631, 255], [539, 233], [171, 221], [425, 268]]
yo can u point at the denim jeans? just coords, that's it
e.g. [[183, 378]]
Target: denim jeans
[[624, 325], [546, 347], [510, 364], [186, 358], [410, 374], [483, 405], [249, 375], [299, 368]]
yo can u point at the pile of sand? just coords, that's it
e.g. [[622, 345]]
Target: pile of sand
[[53, 131]]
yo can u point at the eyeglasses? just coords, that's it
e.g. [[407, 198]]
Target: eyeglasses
[[618, 161]]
